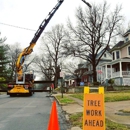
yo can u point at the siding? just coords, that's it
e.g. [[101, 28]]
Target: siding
[[124, 52]]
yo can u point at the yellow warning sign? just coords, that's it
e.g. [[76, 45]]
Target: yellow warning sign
[[93, 113]]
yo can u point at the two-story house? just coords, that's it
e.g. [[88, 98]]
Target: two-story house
[[106, 58], [79, 73], [119, 67]]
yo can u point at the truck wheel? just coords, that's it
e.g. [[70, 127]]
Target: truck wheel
[[11, 95], [30, 93]]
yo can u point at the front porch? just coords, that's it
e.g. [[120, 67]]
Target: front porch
[[118, 70], [124, 74]]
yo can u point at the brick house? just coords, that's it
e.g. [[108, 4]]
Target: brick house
[[85, 70], [80, 74]]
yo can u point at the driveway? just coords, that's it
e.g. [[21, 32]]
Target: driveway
[[112, 111]]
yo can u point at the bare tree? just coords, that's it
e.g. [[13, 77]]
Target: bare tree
[[70, 67], [73, 68], [45, 67], [13, 53], [94, 30], [51, 57]]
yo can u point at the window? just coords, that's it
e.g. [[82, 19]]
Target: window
[[128, 67], [117, 55], [129, 50], [105, 55], [113, 56]]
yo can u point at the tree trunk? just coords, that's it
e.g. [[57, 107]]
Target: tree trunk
[[94, 76]]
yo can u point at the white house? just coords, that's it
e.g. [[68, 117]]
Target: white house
[[119, 67]]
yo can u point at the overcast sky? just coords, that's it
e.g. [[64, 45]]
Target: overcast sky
[[30, 13]]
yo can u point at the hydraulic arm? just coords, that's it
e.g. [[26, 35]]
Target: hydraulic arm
[[29, 49], [87, 3], [25, 81], [42, 26]]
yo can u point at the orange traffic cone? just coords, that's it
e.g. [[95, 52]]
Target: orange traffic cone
[[53, 122]]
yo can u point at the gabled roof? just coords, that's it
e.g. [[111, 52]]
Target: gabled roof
[[119, 44], [84, 65], [108, 49]]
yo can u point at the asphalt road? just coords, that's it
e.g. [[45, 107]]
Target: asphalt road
[[28, 113]]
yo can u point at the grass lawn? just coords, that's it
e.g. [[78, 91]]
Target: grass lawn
[[109, 96], [76, 119], [64, 100], [117, 96]]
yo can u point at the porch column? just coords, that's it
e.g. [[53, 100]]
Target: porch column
[[111, 71], [106, 70], [120, 69]]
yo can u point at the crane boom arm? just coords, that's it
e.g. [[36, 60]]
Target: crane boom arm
[[41, 28], [87, 4]]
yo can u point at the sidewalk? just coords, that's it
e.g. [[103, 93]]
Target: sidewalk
[[112, 110]]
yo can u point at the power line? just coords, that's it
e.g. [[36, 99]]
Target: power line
[[17, 27]]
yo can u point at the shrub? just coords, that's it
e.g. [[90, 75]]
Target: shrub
[[111, 81]]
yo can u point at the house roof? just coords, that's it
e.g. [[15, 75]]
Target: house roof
[[120, 45], [67, 77], [108, 49], [84, 65], [80, 65], [128, 32]]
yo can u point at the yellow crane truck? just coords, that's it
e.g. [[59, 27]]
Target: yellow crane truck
[[24, 83]]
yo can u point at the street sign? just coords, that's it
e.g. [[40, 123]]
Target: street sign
[[93, 113]]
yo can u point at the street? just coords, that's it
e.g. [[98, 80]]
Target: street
[[28, 113]]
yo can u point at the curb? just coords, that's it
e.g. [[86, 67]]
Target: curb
[[67, 116]]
